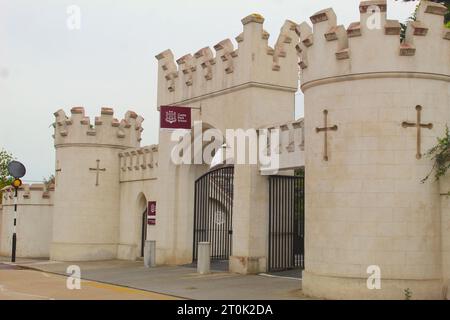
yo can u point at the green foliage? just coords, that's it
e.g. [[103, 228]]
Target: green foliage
[[5, 179], [403, 26], [50, 181], [440, 154], [5, 159], [447, 16], [413, 17], [300, 172]]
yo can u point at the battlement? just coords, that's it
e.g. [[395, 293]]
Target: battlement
[[372, 45], [34, 194], [107, 130], [289, 148], [253, 61], [138, 163]]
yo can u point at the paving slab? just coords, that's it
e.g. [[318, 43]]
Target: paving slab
[[21, 283], [178, 281]]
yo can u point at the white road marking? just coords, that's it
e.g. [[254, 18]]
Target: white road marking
[[281, 277]]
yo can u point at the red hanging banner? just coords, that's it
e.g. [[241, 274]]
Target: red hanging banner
[[175, 117]]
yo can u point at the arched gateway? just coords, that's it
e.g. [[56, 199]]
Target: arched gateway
[[213, 212], [365, 205]]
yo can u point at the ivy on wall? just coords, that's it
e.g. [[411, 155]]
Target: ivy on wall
[[447, 16], [440, 155], [413, 17]]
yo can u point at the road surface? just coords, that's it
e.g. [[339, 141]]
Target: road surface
[[18, 283]]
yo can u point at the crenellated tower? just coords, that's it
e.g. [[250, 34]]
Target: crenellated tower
[[246, 86], [372, 45], [373, 106], [34, 220], [86, 205], [106, 130], [252, 62]]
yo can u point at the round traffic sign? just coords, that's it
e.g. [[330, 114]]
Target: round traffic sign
[[16, 169], [17, 183]]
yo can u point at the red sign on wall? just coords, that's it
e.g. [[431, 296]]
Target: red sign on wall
[[151, 208], [173, 117], [151, 212]]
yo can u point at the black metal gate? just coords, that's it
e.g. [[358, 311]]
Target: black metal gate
[[286, 223], [143, 231], [213, 212]]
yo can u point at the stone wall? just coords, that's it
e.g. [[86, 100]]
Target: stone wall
[[445, 234], [289, 149], [1, 222], [365, 203], [34, 221], [138, 185]]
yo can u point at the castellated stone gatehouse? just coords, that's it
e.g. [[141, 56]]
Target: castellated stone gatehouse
[[374, 105]]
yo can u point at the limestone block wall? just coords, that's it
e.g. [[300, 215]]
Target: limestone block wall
[[233, 88], [34, 221], [365, 203], [138, 163], [288, 149], [445, 234], [86, 218], [138, 185], [1, 221]]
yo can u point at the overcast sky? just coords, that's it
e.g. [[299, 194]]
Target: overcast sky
[[45, 66]]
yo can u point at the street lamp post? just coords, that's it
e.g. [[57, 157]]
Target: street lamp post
[[16, 170]]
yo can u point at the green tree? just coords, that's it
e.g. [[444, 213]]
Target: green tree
[[5, 179], [405, 25], [440, 155], [49, 182], [445, 3], [413, 16], [447, 16]]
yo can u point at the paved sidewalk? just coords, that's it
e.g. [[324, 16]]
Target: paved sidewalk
[[17, 283], [179, 281]]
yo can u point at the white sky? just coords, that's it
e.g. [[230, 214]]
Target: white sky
[[110, 61]]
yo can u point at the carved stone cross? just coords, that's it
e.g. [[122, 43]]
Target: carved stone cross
[[325, 129], [97, 169], [419, 126], [57, 170]]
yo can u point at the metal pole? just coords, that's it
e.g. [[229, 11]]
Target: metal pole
[[14, 237]]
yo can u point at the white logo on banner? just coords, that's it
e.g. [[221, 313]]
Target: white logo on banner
[[171, 117]]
